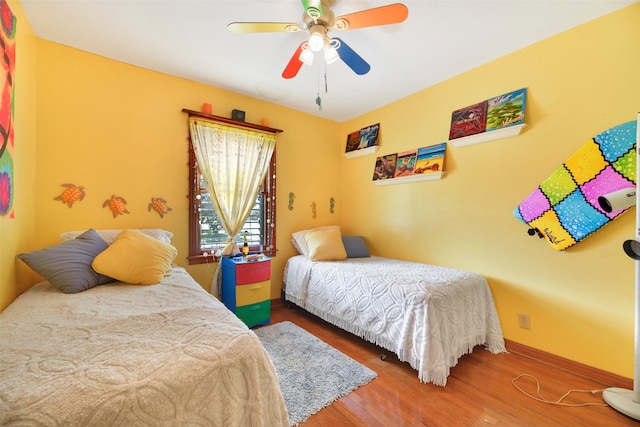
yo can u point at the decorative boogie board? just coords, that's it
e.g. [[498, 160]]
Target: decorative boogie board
[[564, 208]]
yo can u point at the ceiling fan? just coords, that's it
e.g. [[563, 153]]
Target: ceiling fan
[[318, 19]]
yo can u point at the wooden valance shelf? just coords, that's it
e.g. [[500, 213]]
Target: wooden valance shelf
[[232, 122], [413, 178], [488, 136]]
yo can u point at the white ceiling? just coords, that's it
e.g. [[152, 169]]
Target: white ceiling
[[189, 39]]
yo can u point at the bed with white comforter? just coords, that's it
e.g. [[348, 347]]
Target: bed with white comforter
[[130, 355], [428, 315]]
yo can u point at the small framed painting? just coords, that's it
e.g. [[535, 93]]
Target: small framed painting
[[385, 167], [469, 120], [353, 141], [366, 137], [430, 159], [406, 163], [506, 110]]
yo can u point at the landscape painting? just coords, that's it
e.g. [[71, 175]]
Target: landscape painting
[[430, 159], [506, 110]]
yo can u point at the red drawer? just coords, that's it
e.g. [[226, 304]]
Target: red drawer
[[252, 272]]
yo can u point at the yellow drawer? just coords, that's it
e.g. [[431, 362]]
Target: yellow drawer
[[253, 293]]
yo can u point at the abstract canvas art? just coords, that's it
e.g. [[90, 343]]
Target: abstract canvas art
[[564, 209], [7, 57]]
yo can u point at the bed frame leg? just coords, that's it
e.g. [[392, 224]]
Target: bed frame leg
[[288, 304]]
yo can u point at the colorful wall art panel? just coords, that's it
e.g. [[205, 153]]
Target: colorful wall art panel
[[430, 159], [363, 138], [385, 167], [7, 58], [506, 110], [411, 163], [493, 114], [469, 120], [406, 163], [564, 209]]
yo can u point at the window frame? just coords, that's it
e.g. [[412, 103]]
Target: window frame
[[268, 191]]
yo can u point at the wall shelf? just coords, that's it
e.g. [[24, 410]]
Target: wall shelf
[[414, 178], [492, 135], [361, 152]]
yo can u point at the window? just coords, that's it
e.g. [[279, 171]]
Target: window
[[206, 234]]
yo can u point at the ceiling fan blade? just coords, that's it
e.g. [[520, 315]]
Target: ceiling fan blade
[[383, 15], [263, 27], [292, 68], [351, 58], [313, 8]]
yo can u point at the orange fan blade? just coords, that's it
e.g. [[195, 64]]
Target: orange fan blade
[[383, 15], [262, 27], [292, 68]]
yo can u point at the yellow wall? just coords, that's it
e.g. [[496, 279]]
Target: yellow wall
[[579, 83], [17, 234], [118, 129]]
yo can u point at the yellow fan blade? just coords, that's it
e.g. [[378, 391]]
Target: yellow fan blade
[[262, 27]]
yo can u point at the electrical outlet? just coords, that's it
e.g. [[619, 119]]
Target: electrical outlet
[[523, 321]]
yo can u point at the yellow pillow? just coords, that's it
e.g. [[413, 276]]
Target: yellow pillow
[[136, 258], [325, 245]]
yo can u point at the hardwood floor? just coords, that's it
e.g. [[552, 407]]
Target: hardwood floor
[[479, 391]]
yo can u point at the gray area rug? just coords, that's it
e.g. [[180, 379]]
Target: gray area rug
[[312, 374]]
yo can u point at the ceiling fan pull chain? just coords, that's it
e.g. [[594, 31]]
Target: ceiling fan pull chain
[[318, 99], [326, 87]]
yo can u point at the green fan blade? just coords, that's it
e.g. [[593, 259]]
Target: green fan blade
[[313, 8]]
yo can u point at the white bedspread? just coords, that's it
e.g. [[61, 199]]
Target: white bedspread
[[428, 315], [122, 355]]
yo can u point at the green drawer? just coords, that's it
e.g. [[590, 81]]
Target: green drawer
[[255, 314]]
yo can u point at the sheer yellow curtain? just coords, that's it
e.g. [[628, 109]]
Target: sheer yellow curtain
[[233, 162]]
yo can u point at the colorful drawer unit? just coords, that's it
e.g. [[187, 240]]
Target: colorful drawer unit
[[246, 289]]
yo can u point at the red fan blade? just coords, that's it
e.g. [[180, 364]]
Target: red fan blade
[[262, 27], [292, 68], [383, 15]]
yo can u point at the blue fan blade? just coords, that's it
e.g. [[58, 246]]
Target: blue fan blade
[[352, 59]]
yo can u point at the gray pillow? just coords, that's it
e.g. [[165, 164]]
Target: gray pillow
[[355, 246], [67, 265]]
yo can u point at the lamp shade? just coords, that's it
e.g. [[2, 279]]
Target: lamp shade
[[306, 56], [316, 41], [330, 55]]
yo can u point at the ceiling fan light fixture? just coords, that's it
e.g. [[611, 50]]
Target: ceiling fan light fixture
[[306, 56], [316, 41], [330, 55]]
